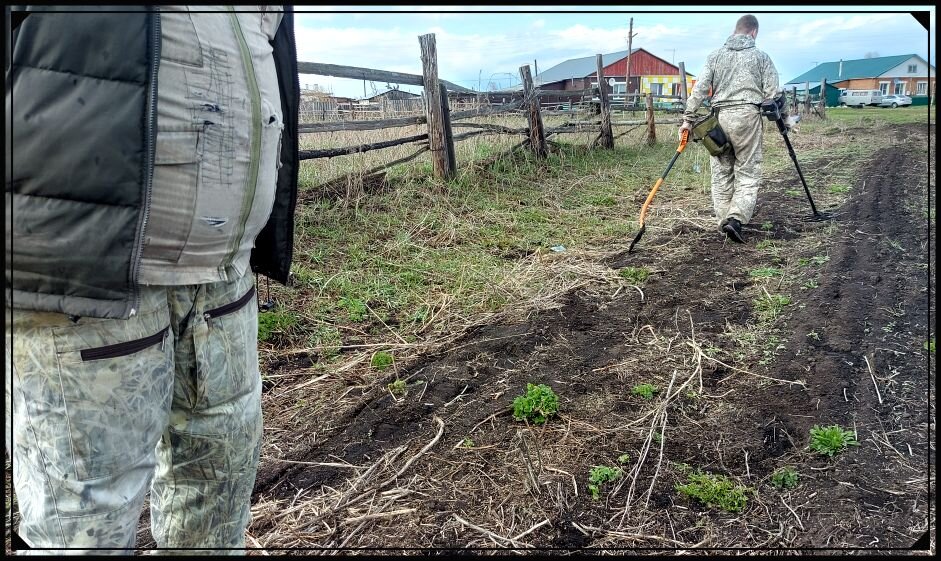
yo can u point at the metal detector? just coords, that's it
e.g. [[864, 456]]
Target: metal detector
[[773, 110]]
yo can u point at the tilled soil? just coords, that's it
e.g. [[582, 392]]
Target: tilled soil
[[851, 342]]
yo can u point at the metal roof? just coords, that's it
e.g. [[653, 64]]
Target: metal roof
[[578, 67], [856, 68], [800, 85]]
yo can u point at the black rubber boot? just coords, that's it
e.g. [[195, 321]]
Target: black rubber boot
[[733, 230]]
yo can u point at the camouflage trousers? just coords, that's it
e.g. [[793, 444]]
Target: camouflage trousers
[[737, 175], [101, 410]]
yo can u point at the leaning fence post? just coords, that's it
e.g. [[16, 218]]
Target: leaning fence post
[[683, 92], [537, 133], [606, 139], [441, 150], [794, 99], [448, 135], [806, 98], [651, 125], [823, 99]]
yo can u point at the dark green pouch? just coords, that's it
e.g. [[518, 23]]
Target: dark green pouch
[[708, 131]]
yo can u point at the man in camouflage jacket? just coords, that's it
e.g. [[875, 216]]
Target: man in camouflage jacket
[[741, 77], [151, 168]]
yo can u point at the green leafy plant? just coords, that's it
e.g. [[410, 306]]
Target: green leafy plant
[[397, 388], [645, 390], [767, 226], [929, 345], [599, 475], [764, 244], [831, 440], [819, 259], [274, 321], [785, 478], [811, 283], [468, 442], [355, 307], [715, 491], [537, 404], [769, 306], [838, 189], [381, 360], [765, 272], [635, 274], [813, 335], [624, 458]]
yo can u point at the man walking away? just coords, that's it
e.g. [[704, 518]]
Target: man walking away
[[741, 77]]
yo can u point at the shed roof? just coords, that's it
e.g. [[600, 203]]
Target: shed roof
[[578, 67]]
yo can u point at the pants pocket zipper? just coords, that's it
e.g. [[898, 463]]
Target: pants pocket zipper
[[125, 348], [229, 308]]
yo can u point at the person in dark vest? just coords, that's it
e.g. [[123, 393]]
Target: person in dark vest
[[151, 169]]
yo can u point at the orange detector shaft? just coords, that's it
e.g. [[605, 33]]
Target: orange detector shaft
[[684, 138]]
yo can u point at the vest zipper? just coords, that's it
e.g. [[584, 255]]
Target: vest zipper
[[252, 185], [151, 130], [125, 348]]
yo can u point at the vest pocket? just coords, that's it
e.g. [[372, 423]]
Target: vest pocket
[[173, 198], [179, 41]]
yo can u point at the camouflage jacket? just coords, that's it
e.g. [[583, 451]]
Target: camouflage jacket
[[738, 73]]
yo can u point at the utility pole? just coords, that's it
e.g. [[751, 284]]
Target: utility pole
[[536, 67], [627, 72]]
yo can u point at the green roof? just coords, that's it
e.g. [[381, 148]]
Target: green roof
[[858, 68]]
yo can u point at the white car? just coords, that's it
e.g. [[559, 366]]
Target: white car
[[895, 101]]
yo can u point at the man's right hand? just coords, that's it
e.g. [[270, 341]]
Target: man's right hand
[[686, 126]]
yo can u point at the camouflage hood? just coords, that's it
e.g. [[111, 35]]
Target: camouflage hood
[[738, 73], [739, 42]]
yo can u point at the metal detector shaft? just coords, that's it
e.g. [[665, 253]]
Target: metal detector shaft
[[790, 150]]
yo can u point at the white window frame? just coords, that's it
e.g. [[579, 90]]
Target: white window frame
[[921, 88], [884, 87], [659, 86], [899, 88], [913, 69]]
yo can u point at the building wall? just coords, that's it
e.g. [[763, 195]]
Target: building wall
[[922, 69], [910, 84]]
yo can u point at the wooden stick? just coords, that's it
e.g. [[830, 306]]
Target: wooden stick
[[873, 376], [333, 152]]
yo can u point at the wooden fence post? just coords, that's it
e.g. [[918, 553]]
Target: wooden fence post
[[683, 92], [441, 151], [448, 135], [823, 99], [806, 98], [651, 125], [606, 138], [794, 99], [537, 133]]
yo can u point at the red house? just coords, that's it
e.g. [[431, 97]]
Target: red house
[[649, 74]]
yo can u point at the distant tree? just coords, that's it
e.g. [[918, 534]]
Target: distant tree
[[871, 54]]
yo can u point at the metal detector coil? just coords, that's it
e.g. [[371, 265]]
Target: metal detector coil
[[773, 108]]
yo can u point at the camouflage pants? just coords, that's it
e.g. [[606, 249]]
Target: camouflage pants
[[736, 176], [102, 409]]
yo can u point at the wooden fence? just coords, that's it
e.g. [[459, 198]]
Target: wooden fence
[[436, 112]]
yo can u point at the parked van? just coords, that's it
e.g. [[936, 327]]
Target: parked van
[[860, 98]]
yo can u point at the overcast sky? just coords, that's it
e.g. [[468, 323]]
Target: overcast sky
[[486, 45]]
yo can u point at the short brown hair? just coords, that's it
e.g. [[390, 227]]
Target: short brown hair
[[746, 24]]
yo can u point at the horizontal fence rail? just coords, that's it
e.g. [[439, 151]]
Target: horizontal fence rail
[[444, 105]]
